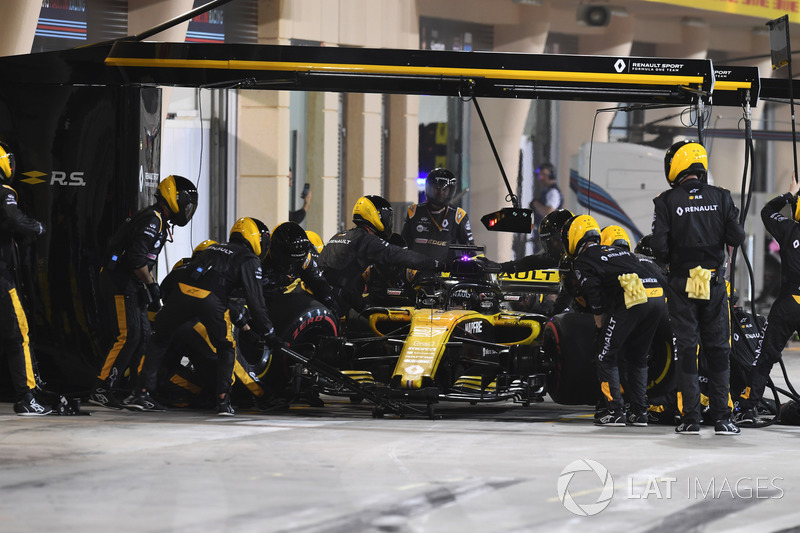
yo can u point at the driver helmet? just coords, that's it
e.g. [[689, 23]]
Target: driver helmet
[[179, 196], [375, 213], [440, 187]]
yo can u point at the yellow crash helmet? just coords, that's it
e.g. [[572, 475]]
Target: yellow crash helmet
[[179, 195], [577, 231], [315, 240], [376, 213], [202, 246], [684, 158], [615, 236], [7, 164], [253, 233]]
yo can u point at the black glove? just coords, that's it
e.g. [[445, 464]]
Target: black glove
[[509, 267], [487, 264], [154, 294], [547, 307], [274, 343], [333, 305]]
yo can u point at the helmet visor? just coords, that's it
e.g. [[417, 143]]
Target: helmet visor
[[440, 190]]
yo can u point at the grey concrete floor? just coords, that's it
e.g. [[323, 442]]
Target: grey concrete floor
[[336, 469]]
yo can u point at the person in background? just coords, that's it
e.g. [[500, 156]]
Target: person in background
[[299, 215], [547, 198], [14, 340]]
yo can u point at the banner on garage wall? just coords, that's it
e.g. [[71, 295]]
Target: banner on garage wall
[[766, 9]]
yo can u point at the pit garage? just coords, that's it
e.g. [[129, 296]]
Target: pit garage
[[502, 450]]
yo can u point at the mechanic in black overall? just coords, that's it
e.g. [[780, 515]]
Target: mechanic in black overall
[[205, 288], [291, 257], [191, 340], [14, 329], [549, 257], [627, 304], [432, 226], [784, 315], [692, 225], [127, 284], [347, 254]]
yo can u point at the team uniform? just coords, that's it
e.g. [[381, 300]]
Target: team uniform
[[431, 233], [784, 315], [192, 340], [692, 225], [347, 255], [278, 277], [14, 332], [127, 285], [136, 244], [598, 270]]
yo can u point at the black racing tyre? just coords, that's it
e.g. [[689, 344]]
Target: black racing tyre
[[299, 318], [300, 321], [568, 346]]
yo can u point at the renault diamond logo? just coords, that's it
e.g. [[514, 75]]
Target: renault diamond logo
[[619, 66], [34, 177]]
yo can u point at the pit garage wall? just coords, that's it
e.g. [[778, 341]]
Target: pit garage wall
[[81, 172]]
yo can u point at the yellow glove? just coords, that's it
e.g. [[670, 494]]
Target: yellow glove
[[633, 288], [698, 284]]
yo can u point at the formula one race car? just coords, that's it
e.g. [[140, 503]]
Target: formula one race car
[[460, 342]]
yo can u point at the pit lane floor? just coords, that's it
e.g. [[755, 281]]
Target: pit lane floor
[[336, 469]]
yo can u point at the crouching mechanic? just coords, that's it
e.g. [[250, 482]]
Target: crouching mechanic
[[127, 284], [205, 288], [14, 341], [291, 256], [628, 305], [784, 315], [196, 383], [348, 254]]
